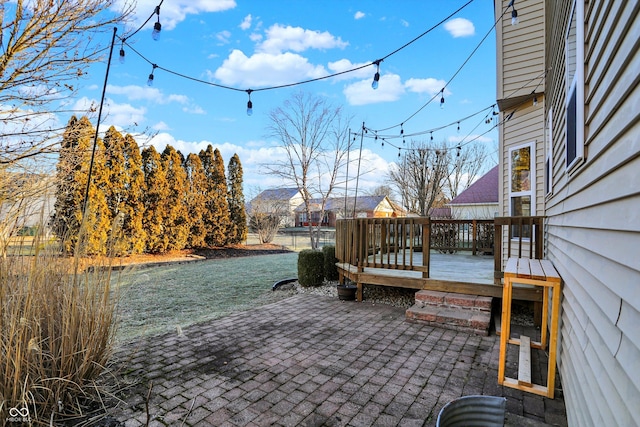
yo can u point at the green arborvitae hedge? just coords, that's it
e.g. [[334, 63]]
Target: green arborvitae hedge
[[330, 269], [310, 268]]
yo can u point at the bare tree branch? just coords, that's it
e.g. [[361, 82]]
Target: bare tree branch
[[48, 48], [315, 139]]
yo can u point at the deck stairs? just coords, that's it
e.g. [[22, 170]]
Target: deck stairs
[[460, 312]]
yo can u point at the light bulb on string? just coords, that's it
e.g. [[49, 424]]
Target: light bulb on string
[[122, 53], [514, 14], [399, 152], [458, 127], [249, 103], [535, 100], [459, 147], [431, 136], [150, 80], [157, 27], [376, 76], [442, 99]]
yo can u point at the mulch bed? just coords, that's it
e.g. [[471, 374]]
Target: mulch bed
[[240, 251]]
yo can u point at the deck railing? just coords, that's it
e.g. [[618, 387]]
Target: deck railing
[[383, 243], [453, 235], [520, 236], [390, 243]]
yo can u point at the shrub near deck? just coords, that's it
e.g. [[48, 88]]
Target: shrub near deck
[[310, 268]]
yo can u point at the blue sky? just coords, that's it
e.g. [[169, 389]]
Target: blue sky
[[255, 44]]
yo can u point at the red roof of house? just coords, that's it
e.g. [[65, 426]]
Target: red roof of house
[[484, 190]]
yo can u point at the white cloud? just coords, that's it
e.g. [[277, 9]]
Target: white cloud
[[390, 89], [223, 37], [429, 85], [246, 22], [123, 115], [137, 93], [265, 69], [345, 64], [255, 37], [194, 109], [404, 23], [359, 15], [173, 12], [460, 27], [297, 39], [160, 126]]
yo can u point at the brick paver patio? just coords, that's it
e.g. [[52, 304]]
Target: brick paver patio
[[315, 361]]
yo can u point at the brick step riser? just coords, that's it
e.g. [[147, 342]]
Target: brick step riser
[[443, 299], [478, 328], [466, 313]]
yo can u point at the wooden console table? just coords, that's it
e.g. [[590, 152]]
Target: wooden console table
[[537, 273]]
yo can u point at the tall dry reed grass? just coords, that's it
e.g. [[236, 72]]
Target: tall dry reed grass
[[57, 325]]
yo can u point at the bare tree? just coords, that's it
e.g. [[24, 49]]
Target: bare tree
[[380, 190], [46, 50], [266, 217], [315, 138], [419, 176], [465, 164]]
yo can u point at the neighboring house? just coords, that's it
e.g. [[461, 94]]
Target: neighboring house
[[26, 200], [440, 213], [365, 207], [570, 147], [479, 200], [280, 202]]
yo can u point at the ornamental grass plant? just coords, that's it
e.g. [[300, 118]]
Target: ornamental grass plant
[[57, 324]]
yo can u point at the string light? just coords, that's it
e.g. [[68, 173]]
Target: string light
[[122, 53], [514, 14], [150, 80], [375, 83], [535, 99], [157, 27], [249, 103], [458, 127], [431, 136], [376, 76]]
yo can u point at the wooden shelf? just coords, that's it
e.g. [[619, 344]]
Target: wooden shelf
[[537, 273]]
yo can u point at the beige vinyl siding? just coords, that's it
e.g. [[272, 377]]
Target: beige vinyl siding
[[593, 225], [520, 51], [526, 126]]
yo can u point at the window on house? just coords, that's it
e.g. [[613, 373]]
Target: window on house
[[574, 55], [522, 184]]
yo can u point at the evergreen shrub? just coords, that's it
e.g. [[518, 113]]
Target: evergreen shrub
[[330, 260], [310, 268]]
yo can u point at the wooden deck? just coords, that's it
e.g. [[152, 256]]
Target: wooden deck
[[390, 252]]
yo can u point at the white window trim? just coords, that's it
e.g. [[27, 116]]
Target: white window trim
[[577, 84], [532, 177]]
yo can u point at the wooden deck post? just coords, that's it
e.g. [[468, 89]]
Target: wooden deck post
[[497, 253], [426, 245]]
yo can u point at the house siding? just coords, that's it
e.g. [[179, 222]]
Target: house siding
[[474, 211], [520, 52], [593, 227]]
